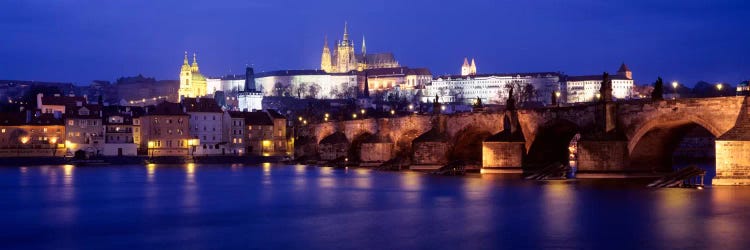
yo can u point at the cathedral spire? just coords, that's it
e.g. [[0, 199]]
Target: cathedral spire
[[185, 62], [194, 67], [346, 32], [364, 47]]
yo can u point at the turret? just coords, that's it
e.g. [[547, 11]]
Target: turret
[[325, 59], [625, 71]]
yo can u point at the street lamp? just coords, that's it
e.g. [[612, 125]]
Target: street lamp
[[557, 97], [674, 89], [719, 87], [53, 141], [354, 115], [393, 112], [24, 140], [192, 143], [150, 149], [362, 111]]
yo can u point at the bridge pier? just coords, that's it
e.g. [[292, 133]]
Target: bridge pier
[[375, 151], [602, 156], [430, 151], [733, 151]]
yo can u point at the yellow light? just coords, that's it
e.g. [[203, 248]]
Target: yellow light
[[557, 94], [362, 111], [325, 119], [151, 168], [442, 107], [411, 106], [598, 95], [304, 122], [719, 86], [393, 112], [299, 118], [68, 170], [191, 168], [674, 84], [354, 116], [24, 139], [266, 143], [53, 140], [150, 144], [326, 115]]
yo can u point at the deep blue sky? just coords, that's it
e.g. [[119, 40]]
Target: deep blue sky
[[79, 41]]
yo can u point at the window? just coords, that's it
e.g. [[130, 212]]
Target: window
[[71, 123]]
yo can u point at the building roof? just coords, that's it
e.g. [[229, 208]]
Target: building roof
[[28, 118], [257, 118], [530, 74], [94, 112], [201, 105], [376, 58], [398, 71], [594, 78], [275, 114], [623, 68], [335, 138], [63, 100], [166, 108], [291, 72]]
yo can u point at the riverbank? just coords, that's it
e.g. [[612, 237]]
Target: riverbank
[[139, 160]]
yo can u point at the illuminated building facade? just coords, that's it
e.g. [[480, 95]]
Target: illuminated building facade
[[192, 82], [343, 58], [85, 130], [31, 133], [586, 88], [491, 88], [206, 121], [165, 130]]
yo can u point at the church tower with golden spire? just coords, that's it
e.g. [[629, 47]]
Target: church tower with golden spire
[[325, 59], [192, 82]]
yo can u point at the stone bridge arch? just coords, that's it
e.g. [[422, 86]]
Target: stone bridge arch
[[550, 143]]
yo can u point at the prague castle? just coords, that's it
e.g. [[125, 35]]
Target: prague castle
[[192, 82], [343, 58]]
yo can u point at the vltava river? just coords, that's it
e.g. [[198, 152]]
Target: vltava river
[[277, 207]]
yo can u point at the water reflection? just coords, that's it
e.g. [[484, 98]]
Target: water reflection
[[559, 210], [218, 206], [150, 172], [190, 170]]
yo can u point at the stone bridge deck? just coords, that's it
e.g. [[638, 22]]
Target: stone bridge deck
[[634, 135]]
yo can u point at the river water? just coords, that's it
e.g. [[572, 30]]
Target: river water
[[278, 207]]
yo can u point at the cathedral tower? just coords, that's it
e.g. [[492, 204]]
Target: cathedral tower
[[346, 60], [473, 69], [192, 83], [465, 68], [325, 59]]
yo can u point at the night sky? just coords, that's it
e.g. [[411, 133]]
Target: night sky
[[80, 41]]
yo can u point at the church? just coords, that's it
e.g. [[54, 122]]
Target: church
[[343, 59], [192, 82]]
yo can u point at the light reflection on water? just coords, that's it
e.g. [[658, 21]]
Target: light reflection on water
[[202, 206]]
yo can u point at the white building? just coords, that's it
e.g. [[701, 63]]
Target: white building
[[491, 88], [299, 82], [586, 88], [206, 125], [229, 84], [250, 101]]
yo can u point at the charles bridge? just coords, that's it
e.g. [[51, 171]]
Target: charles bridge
[[634, 136]]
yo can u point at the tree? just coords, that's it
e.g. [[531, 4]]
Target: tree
[[658, 92], [313, 91], [334, 93], [529, 92], [279, 88]]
